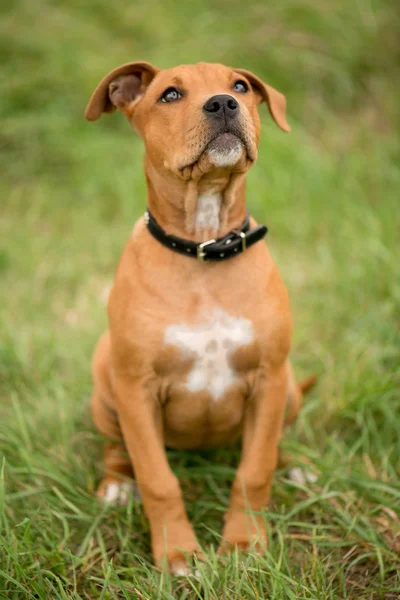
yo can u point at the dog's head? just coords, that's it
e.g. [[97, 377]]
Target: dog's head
[[203, 114]]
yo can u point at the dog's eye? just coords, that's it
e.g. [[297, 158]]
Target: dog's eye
[[171, 95], [240, 87]]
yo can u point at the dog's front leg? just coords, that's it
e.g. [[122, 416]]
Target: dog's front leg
[[252, 485], [140, 417]]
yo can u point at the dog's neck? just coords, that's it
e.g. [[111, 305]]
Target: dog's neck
[[198, 209]]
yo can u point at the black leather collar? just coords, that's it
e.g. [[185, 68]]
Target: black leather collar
[[235, 242]]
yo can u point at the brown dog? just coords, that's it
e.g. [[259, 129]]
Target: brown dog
[[197, 350]]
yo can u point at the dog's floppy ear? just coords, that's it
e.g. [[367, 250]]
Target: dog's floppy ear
[[119, 88], [275, 100]]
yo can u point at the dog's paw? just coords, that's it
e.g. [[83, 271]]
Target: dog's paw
[[119, 492], [182, 565], [256, 544], [182, 562], [245, 532], [183, 569]]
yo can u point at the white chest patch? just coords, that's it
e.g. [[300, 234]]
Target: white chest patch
[[210, 344], [207, 211]]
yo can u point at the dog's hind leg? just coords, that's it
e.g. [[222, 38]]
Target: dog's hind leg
[[295, 392], [117, 483]]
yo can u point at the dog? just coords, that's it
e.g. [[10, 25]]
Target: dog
[[200, 327]]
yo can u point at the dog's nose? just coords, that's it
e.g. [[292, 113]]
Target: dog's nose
[[220, 105]]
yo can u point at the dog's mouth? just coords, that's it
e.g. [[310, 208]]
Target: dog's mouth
[[224, 149]]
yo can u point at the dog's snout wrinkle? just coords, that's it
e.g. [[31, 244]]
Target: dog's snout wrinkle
[[221, 105]]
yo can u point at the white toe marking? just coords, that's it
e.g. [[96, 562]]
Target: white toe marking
[[119, 492], [112, 492], [211, 344], [302, 477], [181, 571]]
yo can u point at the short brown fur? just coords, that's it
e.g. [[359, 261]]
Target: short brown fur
[[139, 395]]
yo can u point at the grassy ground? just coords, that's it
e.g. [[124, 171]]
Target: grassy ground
[[70, 192]]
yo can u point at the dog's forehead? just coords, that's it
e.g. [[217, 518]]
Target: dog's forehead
[[195, 74]]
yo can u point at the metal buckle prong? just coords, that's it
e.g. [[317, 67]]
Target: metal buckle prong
[[243, 236], [200, 254]]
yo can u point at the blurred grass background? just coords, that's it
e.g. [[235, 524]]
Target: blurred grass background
[[70, 192]]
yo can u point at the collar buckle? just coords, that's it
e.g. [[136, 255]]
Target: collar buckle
[[200, 250], [241, 234]]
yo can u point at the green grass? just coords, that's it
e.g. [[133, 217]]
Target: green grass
[[70, 192]]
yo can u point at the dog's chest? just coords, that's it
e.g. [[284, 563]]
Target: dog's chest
[[209, 345]]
